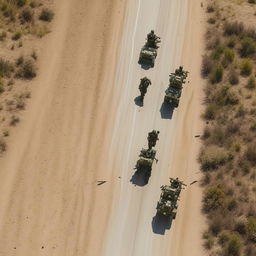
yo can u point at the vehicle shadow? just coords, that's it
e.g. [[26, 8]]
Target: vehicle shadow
[[145, 66], [138, 101], [141, 177], [160, 224], [166, 111]]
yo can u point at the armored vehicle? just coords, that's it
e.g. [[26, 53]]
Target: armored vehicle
[[148, 52], [168, 203], [173, 92], [148, 56], [181, 73], [145, 162]]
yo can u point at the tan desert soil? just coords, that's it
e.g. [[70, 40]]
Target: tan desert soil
[[48, 176], [82, 125]]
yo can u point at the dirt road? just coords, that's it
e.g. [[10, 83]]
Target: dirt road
[[134, 229]]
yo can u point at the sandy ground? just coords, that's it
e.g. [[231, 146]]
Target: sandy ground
[[82, 125], [48, 176], [134, 229]]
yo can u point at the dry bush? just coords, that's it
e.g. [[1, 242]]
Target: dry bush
[[26, 15], [3, 145], [248, 47], [27, 70], [225, 96], [213, 198], [231, 42], [14, 120], [16, 36], [251, 84], [233, 77], [217, 74], [46, 15], [210, 8], [6, 68], [233, 28], [210, 112], [207, 65], [250, 153], [212, 157]]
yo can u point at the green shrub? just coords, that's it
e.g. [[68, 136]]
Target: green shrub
[[212, 157], [233, 246], [46, 15], [217, 52], [248, 47], [246, 67], [16, 36], [213, 198], [207, 65], [229, 55], [233, 28], [233, 77], [217, 74], [251, 84], [26, 15]]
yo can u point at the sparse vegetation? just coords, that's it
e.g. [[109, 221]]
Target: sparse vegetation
[[228, 154], [21, 21]]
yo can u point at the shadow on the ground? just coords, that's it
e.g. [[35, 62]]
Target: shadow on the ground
[[145, 66], [141, 177], [138, 101], [160, 224], [166, 111]]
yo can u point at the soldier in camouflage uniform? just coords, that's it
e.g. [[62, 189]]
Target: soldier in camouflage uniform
[[152, 138], [152, 40], [144, 83]]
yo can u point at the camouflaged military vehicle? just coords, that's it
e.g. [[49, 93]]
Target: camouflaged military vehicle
[[148, 52], [145, 162], [168, 203], [173, 92]]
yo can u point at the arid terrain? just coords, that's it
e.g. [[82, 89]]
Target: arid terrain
[[82, 125]]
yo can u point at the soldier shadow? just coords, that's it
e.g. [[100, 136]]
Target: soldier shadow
[[140, 178], [160, 224], [138, 101], [166, 111]]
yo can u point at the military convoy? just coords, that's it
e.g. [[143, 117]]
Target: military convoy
[[148, 52], [168, 203], [173, 92]]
